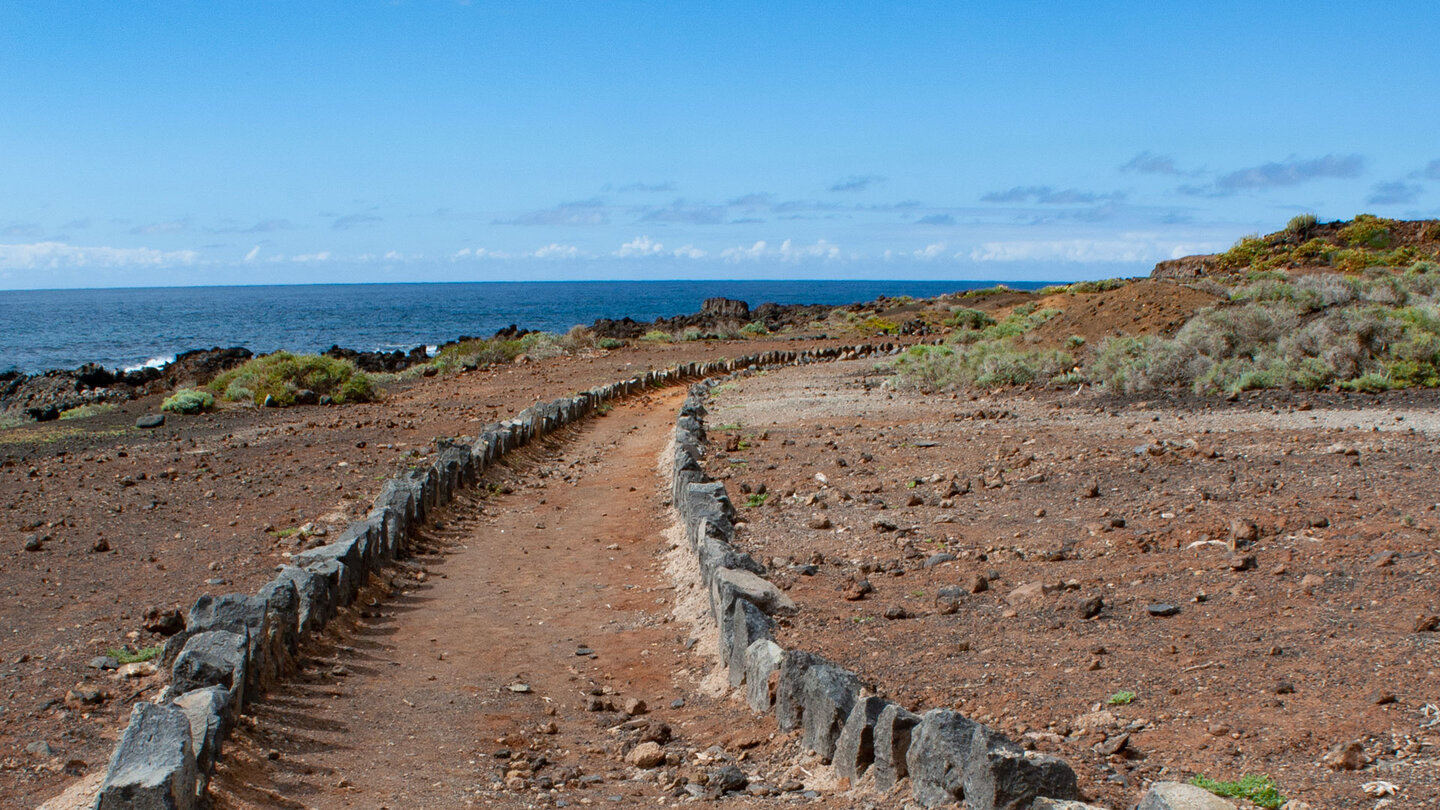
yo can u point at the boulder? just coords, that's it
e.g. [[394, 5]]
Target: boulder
[[248, 616], [1000, 775], [762, 660], [208, 711], [855, 749], [747, 585], [939, 748], [745, 624], [892, 744], [212, 658], [815, 696], [154, 765]]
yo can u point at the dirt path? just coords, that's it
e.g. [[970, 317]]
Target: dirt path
[[418, 703]]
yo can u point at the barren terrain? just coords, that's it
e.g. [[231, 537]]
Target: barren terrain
[[1014, 550]]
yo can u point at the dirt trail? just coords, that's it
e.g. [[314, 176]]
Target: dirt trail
[[414, 705]]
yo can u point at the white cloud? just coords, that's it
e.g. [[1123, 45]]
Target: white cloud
[[645, 246], [322, 256], [1125, 248], [555, 250], [254, 252], [822, 249], [740, 254], [54, 255], [640, 246], [788, 251], [931, 251]]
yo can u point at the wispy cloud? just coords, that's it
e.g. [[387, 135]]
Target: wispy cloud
[[593, 211], [1046, 195], [311, 258], [1430, 172], [174, 226], [931, 252], [77, 224], [688, 213], [753, 200], [1396, 193], [642, 188], [349, 221], [263, 226], [555, 250], [1291, 172], [936, 219], [253, 254], [1126, 248], [1148, 162], [22, 230], [59, 255], [857, 182]]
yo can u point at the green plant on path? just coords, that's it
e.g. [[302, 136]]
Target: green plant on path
[[1122, 698], [1259, 789]]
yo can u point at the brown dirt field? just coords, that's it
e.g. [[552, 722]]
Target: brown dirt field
[[1304, 639]]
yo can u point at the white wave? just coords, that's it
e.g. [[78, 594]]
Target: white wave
[[154, 362]]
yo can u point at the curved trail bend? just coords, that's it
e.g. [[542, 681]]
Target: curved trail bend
[[417, 702]]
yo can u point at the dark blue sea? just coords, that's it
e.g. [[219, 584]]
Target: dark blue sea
[[127, 328]]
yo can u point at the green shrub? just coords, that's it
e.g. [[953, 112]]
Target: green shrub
[[610, 343], [1243, 253], [966, 318], [876, 325], [1053, 289], [988, 364], [657, 336], [691, 334], [987, 291], [1122, 698], [754, 329], [1301, 224], [282, 374], [1369, 231], [1103, 285], [87, 411], [1259, 789], [125, 656], [188, 401], [1074, 342]]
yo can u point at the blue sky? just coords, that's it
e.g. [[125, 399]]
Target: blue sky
[[170, 143]]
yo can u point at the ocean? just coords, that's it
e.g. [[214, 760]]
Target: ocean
[[129, 328]]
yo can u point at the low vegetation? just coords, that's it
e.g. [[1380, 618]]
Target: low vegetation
[[481, 352], [282, 376], [1258, 789], [1364, 317], [1122, 698], [188, 401], [87, 411]]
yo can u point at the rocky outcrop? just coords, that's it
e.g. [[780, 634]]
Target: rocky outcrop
[[717, 317]]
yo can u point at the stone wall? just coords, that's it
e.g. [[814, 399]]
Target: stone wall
[[946, 757], [235, 646]]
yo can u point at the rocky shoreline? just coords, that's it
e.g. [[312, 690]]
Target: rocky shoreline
[[44, 396]]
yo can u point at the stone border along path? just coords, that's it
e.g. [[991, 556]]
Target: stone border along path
[[235, 646], [947, 757]]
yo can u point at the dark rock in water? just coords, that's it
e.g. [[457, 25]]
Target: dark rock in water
[[511, 332], [380, 362], [200, 366], [150, 420]]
